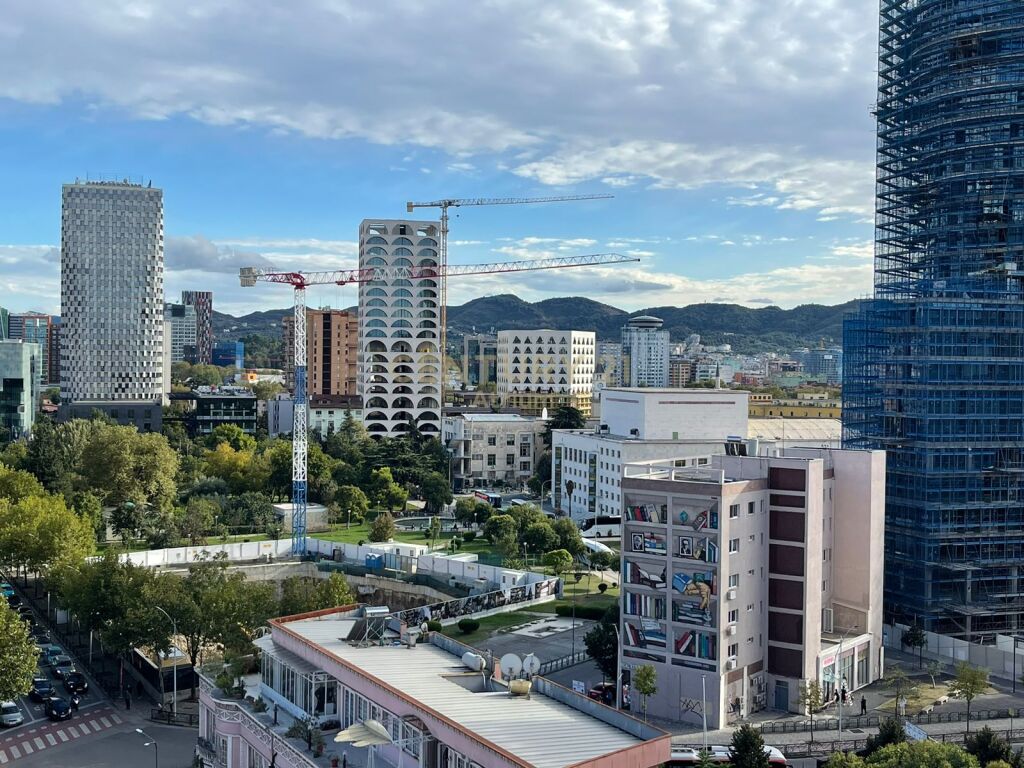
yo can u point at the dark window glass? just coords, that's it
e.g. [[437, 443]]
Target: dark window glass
[[789, 561], [785, 594], [782, 479], [788, 526]]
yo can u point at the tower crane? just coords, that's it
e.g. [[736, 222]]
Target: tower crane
[[299, 281], [460, 202]]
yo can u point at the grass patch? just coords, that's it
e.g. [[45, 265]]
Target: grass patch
[[489, 625], [926, 694]]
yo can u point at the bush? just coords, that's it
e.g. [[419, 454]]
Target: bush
[[433, 626], [468, 536], [602, 587], [468, 626], [592, 612]]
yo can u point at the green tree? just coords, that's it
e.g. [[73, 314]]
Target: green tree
[[465, 511], [934, 668], [564, 417], [198, 519], [266, 390], [436, 491], [747, 748], [500, 527], [525, 515], [15, 484], [233, 435], [897, 681], [242, 470], [18, 656], [251, 509], [160, 528], [121, 465], [811, 699], [352, 503], [602, 643], [302, 594], [890, 731], [645, 681], [988, 747], [542, 474], [968, 683], [915, 637], [844, 760], [569, 537], [922, 754], [126, 520], [558, 562], [434, 532], [540, 537], [88, 507], [383, 527], [40, 533]]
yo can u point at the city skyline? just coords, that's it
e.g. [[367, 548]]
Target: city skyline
[[740, 149]]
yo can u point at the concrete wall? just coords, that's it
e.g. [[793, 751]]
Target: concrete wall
[[669, 414]]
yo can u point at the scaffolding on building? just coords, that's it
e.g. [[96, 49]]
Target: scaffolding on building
[[934, 364]]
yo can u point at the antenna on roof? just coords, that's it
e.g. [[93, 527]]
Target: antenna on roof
[[511, 665]]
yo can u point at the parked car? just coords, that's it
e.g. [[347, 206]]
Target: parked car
[[603, 692], [63, 665], [41, 690], [10, 714], [58, 708], [75, 682], [41, 636], [6, 589], [13, 600], [50, 653]]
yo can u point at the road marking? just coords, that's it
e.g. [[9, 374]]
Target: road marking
[[39, 743], [15, 753], [27, 748], [73, 731], [106, 723], [3, 757], [116, 719], [52, 739], [63, 736], [95, 725]]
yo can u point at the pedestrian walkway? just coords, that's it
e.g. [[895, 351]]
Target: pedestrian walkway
[[46, 735]]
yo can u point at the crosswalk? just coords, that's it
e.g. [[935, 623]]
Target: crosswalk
[[47, 735]]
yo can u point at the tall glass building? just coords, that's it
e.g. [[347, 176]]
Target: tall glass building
[[934, 364]]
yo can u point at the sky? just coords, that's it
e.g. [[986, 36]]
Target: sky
[[735, 136]]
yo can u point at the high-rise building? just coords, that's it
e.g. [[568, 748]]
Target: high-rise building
[[680, 372], [229, 354], [399, 364], [112, 270], [203, 303], [332, 337], [479, 359], [645, 351], [933, 363], [745, 577], [608, 365], [544, 369], [180, 331], [4, 324], [20, 363], [36, 328]]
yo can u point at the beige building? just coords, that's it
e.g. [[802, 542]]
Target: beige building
[[544, 369], [331, 343], [680, 372], [752, 575], [493, 449]]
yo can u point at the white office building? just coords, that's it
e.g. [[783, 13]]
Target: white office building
[[489, 450], [645, 353], [544, 369], [112, 269], [181, 330], [399, 361]]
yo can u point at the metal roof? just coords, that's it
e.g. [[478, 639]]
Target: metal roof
[[795, 429], [539, 730]]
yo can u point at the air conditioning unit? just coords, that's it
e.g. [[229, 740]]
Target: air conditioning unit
[[730, 595], [732, 630], [730, 664]]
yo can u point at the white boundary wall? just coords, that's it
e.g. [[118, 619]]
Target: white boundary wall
[[997, 659]]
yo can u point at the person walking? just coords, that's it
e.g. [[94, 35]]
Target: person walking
[[127, 699], [863, 706]]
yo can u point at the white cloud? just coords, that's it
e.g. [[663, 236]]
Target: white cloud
[[669, 93]]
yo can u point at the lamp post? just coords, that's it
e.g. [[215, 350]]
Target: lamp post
[[151, 743], [174, 629], [704, 710], [840, 678]]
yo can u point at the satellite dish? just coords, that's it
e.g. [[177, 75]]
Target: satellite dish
[[531, 665], [511, 665]]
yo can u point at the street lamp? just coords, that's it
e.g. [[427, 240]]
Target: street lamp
[[151, 743], [174, 629], [839, 681]]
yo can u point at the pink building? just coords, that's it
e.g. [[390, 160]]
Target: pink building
[[343, 667]]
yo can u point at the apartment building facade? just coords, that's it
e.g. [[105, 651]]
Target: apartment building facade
[[543, 369], [751, 575], [645, 352], [332, 341], [488, 450]]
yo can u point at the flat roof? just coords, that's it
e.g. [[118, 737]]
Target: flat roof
[[538, 730], [676, 390], [795, 429], [496, 417]]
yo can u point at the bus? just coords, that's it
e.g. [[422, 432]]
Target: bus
[[687, 757], [490, 497], [602, 526]]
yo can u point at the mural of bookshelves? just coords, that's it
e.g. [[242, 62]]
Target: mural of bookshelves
[[645, 633], [696, 644], [647, 606], [644, 575], [646, 513]]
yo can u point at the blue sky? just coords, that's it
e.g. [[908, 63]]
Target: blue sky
[[735, 136]]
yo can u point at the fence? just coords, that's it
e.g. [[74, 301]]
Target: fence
[[827, 748], [169, 717], [873, 721], [998, 658], [565, 661]]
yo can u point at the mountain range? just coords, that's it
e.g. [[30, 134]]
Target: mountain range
[[748, 330]]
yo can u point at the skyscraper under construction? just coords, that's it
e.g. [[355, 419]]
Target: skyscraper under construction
[[934, 365]]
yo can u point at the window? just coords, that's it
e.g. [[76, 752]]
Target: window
[[478, 457], [492, 439], [750, 607], [734, 511], [751, 506], [734, 649], [734, 616], [734, 580], [734, 545], [510, 439], [524, 450], [492, 460], [510, 459]]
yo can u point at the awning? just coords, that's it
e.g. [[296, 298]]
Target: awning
[[368, 733]]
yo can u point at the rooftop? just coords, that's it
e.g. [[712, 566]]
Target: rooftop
[[697, 391], [496, 417], [539, 730], [795, 429]]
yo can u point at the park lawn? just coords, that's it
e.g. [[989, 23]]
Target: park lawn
[[925, 695], [361, 532], [489, 625], [584, 593]]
